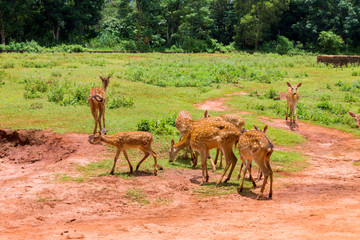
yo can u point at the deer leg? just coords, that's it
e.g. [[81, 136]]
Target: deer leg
[[233, 161], [203, 155], [212, 163], [115, 159], [271, 177], [94, 113], [103, 116], [287, 110], [228, 163], [241, 167], [216, 156], [195, 155], [262, 187], [155, 162], [259, 176], [242, 182], [127, 159], [295, 113], [145, 156], [221, 160]]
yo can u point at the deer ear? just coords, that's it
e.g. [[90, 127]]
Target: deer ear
[[206, 114], [265, 128], [256, 127], [103, 131], [101, 77], [299, 85], [172, 142], [352, 114], [288, 84]]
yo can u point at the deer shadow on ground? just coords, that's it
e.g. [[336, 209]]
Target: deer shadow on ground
[[293, 126]]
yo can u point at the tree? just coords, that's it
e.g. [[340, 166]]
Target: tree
[[256, 19], [12, 17], [224, 19]]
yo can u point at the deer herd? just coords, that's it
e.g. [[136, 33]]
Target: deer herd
[[199, 137]]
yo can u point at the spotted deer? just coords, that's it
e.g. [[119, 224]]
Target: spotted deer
[[97, 101], [292, 97], [259, 175], [357, 118], [255, 146], [128, 140], [183, 124], [238, 122], [214, 134]]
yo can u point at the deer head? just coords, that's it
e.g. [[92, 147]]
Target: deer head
[[263, 130], [357, 118], [105, 81], [293, 88], [98, 136]]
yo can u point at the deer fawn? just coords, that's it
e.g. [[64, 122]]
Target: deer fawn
[[97, 102], [238, 122], [215, 134], [183, 124], [128, 140], [254, 145], [242, 164], [292, 97], [357, 118]]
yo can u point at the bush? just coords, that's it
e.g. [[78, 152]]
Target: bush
[[34, 88], [284, 45], [164, 126], [120, 101], [329, 42], [271, 93]]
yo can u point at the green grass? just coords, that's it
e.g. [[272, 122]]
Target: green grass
[[288, 161], [148, 90]]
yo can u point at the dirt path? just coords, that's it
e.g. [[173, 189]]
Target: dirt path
[[321, 202]]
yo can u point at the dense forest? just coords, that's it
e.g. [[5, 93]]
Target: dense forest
[[329, 26]]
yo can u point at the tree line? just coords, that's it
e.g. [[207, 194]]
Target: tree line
[[201, 25]]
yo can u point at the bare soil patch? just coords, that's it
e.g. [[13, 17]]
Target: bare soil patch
[[321, 202]]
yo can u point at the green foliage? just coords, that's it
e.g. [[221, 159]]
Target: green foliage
[[329, 42], [284, 45], [163, 126], [35, 87], [271, 93], [69, 93], [118, 100]]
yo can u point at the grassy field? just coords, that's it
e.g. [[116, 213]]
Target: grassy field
[[146, 91]]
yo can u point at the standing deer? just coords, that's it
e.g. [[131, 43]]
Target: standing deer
[[97, 101], [128, 140], [255, 146], [250, 164], [214, 134], [292, 97], [357, 118], [183, 124], [238, 122]]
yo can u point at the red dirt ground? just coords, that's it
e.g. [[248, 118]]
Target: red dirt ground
[[321, 202]]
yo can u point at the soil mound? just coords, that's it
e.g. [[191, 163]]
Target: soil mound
[[29, 146]]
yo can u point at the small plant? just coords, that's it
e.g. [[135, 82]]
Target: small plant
[[260, 107], [120, 101], [137, 195], [164, 126], [271, 93], [350, 98], [325, 105], [34, 88]]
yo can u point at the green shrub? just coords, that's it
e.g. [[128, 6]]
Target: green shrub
[[329, 42], [34, 88], [271, 93], [325, 105], [283, 45], [118, 101], [163, 126]]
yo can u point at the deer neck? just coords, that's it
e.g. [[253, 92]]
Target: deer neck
[[109, 139], [183, 143]]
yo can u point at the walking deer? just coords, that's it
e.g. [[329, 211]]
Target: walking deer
[[255, 146], [128, 140], [292, 97], [357, 118], [215, 134], [97, 101]]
